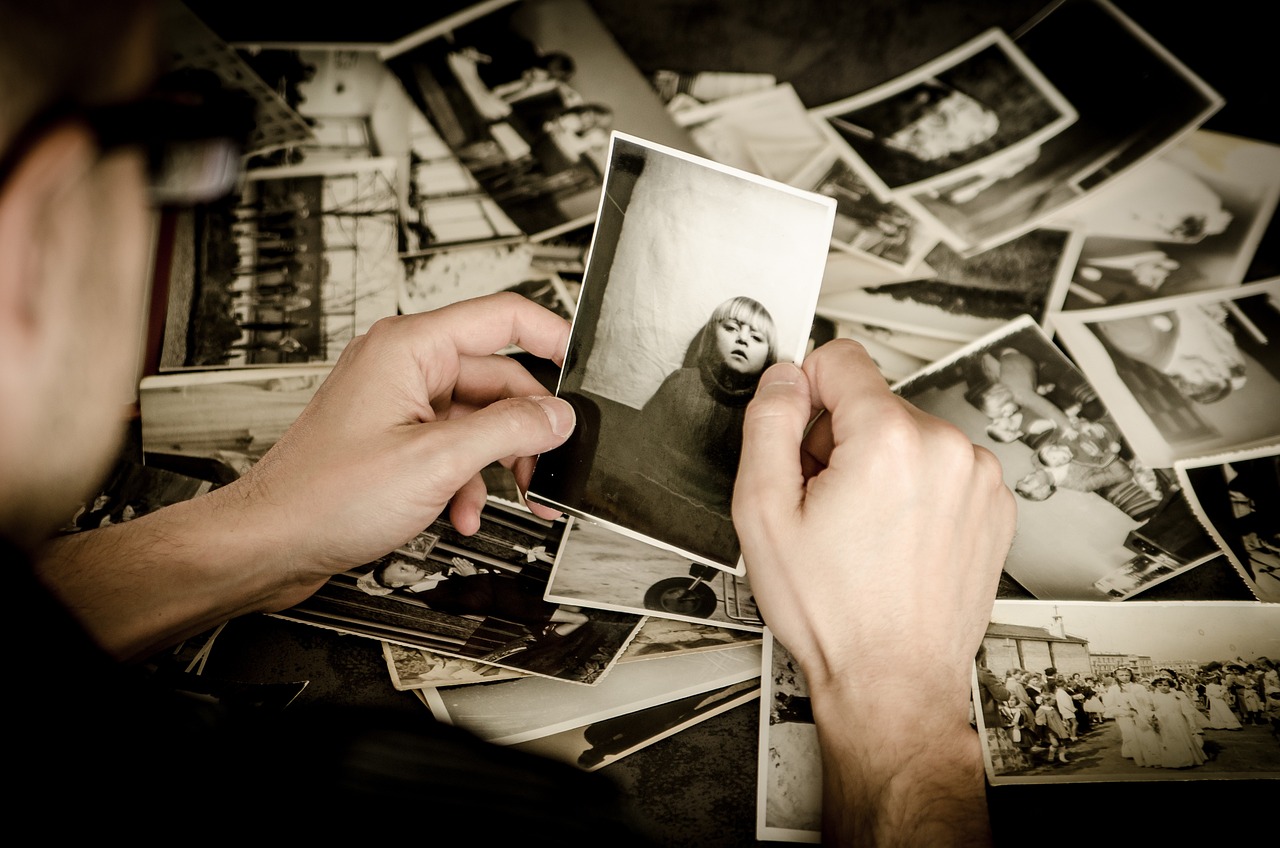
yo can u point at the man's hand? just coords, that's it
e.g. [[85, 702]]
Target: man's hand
[[874, 541]]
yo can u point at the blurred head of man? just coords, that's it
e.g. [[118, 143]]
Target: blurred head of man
[[74, 236]]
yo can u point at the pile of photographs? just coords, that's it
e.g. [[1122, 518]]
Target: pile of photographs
[[1051, 254]]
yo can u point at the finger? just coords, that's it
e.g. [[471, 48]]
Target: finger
[[485, 379], [769, 472], [846, 382], [484, 325], [466, 504]]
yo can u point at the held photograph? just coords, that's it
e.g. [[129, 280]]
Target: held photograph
[[1070, 464], [682, 307], [1185, 376], [1075, 692]]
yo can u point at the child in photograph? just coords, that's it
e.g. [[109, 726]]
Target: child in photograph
[[695, 416], [1051, 724], [1174, 719]]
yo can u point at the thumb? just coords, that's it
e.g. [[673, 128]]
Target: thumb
[[770, 479], [520, 426]]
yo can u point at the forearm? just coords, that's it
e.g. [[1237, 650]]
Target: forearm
[[145, 584], [906, 776]]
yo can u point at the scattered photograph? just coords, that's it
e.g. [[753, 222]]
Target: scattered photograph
[[1237, 498], [600, 743], [970, 111], [477, 597], [1185, 376], [598, 567], [897, 353], [1190, 220], [513, 711], [1075, 692], [1071, 465], [682, 308], [789, 786], [1130, 108], [131, 491], [525, 96], [286, 271], [966, 298]]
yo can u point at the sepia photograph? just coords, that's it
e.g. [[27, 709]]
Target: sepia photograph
[[1185, 376], [130, 491], [1190, 220], [789, 767], [965, 298], [513, 711], [1236, 496], [1071, 692], [682, 308], [898, 354], [476, 597], [526, 97], [981, 104], [1070, 464], [1130, 108], [597, 567]]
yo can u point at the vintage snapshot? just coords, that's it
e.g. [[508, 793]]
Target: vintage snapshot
[[1130, 108], [964, 114], [131, 491], [595, 745], [1070, 464], [1074, 692], [226, 419], [789, 783], [598, 567], [1185, 376], [525, 96], [513, 711], [287, 270], [1236, 496], [897, 353], [1190, 220], [477, 597], [700, 276], [966, 298]]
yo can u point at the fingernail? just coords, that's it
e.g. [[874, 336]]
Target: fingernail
[[559, 413]]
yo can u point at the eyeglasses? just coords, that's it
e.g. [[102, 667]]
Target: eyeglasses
[[192, 141]]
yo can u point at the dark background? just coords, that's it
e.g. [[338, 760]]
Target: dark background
[[699, 786]]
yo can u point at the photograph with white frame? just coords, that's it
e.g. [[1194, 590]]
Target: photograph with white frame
[[1189, 220], [966, 298], [1015, 393], [598, 567], [1130, 108], [1236, 496], [789, 764], [1185, 376], [700, 276], [951, 118], [1126, 724]]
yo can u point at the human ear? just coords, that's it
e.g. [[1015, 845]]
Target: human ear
[[32, 202]]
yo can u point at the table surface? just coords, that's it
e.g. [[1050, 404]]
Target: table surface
[[699, 786]]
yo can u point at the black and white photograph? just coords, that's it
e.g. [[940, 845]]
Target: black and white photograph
[[1190, 220], [229, 417], [513, 711], [477, 597], [1070, 464], [526, 96], [1237, 497], [789, 767], [130, 491], [1185, 376], [966, 298], [897, 353], [683, 306], [286, 271], [600, 743], [1076, 692], [963, 114], [1130, 108], [598, 567]]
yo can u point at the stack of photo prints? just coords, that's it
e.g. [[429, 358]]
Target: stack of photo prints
[[1050, 254]]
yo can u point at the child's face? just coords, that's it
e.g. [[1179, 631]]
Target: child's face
[[401, 573], [1055, 455], [741, 346]]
